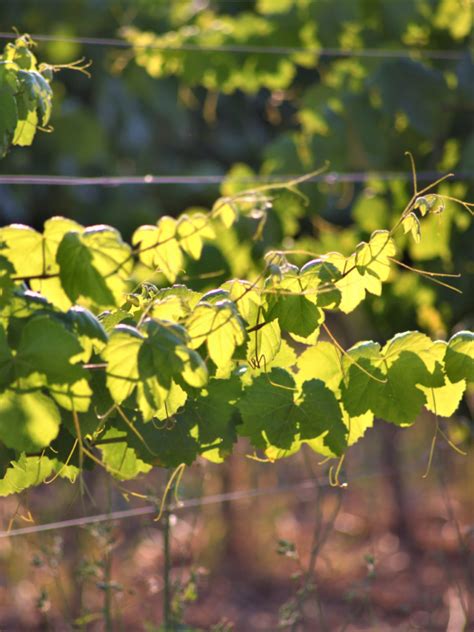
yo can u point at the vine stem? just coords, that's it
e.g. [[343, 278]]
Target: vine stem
[[167, 596], [108, 622]]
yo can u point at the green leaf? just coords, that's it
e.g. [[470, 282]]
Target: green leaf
[[264, 344], [318, 412], [6, 361], [322, 362], [25, 129], [33, 254], [151, 362], [429, 352], [40, 93], [351, 284], [289, 301], [8, 114], [213, 410], [286, 357], [7, 286], [88, 329], [163, 357], [411, 224], [247, 300], [167, 445], [460, 357], [444, 400], [76, 396], [220, 326], [157, 357], [54, 230], [173, 401], [357, 426], [25, 472], [360, 391], [429, 204], [94, 265], [296, 314], [110, 319], [119, 459], [226, 211], [364, 271], [121, 355], [320, 276], [191, 231], [158, 247], [47, 347], [24, 248], [373, 260], [267, 413], [398, 400], [174, 303], [28, 421], [356, 429]]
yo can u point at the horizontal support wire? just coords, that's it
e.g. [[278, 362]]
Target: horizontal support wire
[[328, 178], [154, 509], [305, 485], [252, 49]]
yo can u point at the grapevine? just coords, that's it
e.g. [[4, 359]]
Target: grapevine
[[109, 360]]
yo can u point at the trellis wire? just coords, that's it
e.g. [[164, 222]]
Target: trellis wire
[[153, 509], [308, 484], [129, 180], [260, 50]]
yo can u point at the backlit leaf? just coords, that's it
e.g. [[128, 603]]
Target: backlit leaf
[[28, 421]]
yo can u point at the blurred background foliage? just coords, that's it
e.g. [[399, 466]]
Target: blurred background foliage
[[266, 87]]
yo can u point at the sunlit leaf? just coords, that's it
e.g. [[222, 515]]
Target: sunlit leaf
[[28, 421], [460, 357], [158, 247], [220, 326]]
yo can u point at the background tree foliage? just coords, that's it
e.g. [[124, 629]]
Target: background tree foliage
[[281, 98]]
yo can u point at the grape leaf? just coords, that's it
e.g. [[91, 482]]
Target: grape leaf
[[212, 411], [28, 421], [289, 301], [94, 265], [444, 400], [119, 459], [8, 113], [264, 344], [6, 361], [47, 347], [76, 396], [25, 472], [88, 329], [158, 247], [460, 357], [167, 445], [365, 270], [322, 362], [121, 355], [150, 360], [266, 407], [318, 412], [191, 231], [220, 326]]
